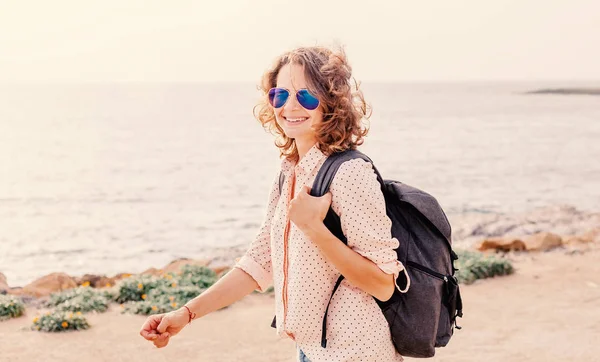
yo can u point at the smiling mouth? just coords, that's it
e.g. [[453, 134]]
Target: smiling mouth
[[296, 120]]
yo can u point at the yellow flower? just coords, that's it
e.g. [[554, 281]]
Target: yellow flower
[[86, 284], [171, 298], [65, 324], [140, 286], [154, 307], [144, 296], [174, 305], [169, 276], [108, 285], [35, 320], [70, 315], [78, 313], [174, 285], [47, 313]]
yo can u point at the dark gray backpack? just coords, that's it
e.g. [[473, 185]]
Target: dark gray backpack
[[425, 316]]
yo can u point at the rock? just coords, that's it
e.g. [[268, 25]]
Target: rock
[[592, 236], [542, 241], [15, 291], [502, 244], [153, 271], [574, 240], [567, 91], [589, 237], [470, 228], [536, 242], [49, 284], [121, 276], [175, 265], [3, 283], [96, 281]]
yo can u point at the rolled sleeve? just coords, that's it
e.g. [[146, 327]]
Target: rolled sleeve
[[262, 276], [256, 262], [396, 267], [358, 200]]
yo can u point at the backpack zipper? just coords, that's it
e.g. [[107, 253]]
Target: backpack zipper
[[427, 271]]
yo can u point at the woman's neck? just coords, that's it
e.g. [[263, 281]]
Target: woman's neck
[[303, 147]]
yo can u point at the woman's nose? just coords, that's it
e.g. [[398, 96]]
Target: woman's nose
[[292, 102]]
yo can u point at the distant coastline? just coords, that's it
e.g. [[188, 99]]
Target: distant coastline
[[567, 91]]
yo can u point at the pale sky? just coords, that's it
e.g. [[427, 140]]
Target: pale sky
[[395, 40]]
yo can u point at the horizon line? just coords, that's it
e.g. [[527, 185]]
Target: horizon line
[[245, 81]]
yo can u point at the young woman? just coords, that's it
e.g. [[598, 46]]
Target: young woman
[[310, 105]]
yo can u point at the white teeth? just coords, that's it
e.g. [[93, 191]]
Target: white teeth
[[293, 120]]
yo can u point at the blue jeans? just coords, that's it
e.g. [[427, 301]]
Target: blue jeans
[[302, 357]]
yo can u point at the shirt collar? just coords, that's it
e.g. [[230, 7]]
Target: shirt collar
[[307, 163]]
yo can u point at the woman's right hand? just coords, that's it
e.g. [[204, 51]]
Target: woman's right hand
[[159, 328]]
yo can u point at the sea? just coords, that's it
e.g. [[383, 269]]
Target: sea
[[105, 178]]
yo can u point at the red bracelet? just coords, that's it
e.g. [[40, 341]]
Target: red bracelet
[[192, 315]]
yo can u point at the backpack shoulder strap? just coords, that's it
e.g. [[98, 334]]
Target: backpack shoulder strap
[[319, 188], [330, 167]]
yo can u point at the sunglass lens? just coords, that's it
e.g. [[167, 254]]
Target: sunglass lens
[[307, 100], [278, 97]]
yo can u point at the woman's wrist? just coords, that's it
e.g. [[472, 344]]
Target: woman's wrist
[[188, 313]]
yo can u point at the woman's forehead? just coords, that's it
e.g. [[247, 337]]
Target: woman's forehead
[[292, 76]]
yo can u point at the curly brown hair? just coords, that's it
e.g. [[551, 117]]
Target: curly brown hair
[[329, 76]]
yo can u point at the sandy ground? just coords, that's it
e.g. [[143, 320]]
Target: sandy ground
[[548, 311]]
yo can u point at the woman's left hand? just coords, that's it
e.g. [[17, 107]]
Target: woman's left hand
[[306, 210]]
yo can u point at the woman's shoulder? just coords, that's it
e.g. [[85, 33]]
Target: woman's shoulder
[[355, 176]]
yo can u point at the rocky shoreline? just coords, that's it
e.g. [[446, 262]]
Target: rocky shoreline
[[567, 91], [558, 227], [57, 282], [470, 229]]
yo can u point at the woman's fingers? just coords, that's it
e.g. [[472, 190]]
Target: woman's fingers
[[162, 340], [155, 329], [148, 330], [164, 324], [149, 335]]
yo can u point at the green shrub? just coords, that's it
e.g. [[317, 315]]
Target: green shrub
[[163, 299], [94, 303], [82, 299], [134, 288], [199, 276], [110, 293], [148, 307], [59, 321], [10, 307], [159, 294], [61, 297], [179, 294], [474, 265]]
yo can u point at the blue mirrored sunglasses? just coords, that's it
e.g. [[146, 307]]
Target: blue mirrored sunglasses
[[279, 96]]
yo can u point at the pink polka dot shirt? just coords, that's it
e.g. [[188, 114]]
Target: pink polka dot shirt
[[303, 279]]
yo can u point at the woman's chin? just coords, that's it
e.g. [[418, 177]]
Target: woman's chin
[[292, 133], [298, 133]]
